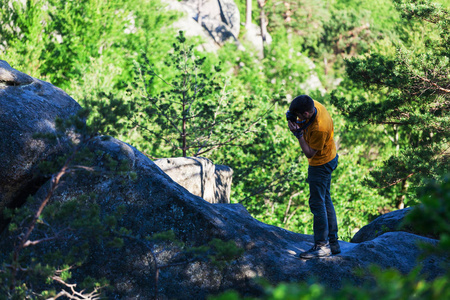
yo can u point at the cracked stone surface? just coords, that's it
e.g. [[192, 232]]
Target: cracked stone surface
[[27, 106]]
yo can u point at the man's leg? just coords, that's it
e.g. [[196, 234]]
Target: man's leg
[[319, 179], [317, 188], [332, 225], [331, 213], [325, 222]]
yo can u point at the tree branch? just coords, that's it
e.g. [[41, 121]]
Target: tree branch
[[74, 295], [439, 88]]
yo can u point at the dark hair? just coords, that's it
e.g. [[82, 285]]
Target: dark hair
[[302, 103]]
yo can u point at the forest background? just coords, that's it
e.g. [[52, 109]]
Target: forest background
[[391, 128], [96, 51]]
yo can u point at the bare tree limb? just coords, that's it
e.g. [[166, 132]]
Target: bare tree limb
[[74, 295], [439, 88], [289, 206]]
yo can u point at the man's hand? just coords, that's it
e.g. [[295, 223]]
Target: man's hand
[[293, 126], [295, 129]]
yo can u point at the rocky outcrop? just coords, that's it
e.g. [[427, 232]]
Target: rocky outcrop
[[28, 106], [200, 177], [190, 26], [389, 222], [155, 203], [152, 202], [216, 21], [219, 17]]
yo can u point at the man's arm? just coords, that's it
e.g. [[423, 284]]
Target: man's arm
[[309, 152]]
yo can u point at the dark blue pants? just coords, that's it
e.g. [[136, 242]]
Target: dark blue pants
[[325, 223]]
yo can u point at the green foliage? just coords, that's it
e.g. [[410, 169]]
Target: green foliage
[[406, 91], [24, 273], [166, 236], [304, 19], [432, 215], [223, 252], [389, 284], [84, 47], [194, 112]]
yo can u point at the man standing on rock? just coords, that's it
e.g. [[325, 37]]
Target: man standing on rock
[[312, 125]]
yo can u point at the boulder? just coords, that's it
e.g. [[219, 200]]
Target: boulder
[[190, 26], [153, 203], [220, 20], [200, 177], [214, 14], [388, 222], [28, 106]]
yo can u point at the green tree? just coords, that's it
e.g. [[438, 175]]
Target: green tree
[[82, 46], [408, 92], [195, 111]]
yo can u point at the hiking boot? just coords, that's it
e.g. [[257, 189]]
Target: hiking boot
[[335, 248], [316, 251]]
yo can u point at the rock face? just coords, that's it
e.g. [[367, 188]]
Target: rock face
[[27, 106], [155, 203], [219, 17], [389, 222], [200, 177], [152, 202], [191, 27], [216, 22], [219, 20]]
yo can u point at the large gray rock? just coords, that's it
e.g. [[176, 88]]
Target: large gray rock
[[214, 14], [388, 222], [154, 203], [200, 177], [190, 26], [384, 223], [27, 106], [220, 20]]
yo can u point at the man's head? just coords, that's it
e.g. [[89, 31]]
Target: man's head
[[302, 106]]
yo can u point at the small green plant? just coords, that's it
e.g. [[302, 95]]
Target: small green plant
[[195, 111]]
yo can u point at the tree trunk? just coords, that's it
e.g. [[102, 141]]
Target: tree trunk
[[263, 22], [248, 14], [287, 19], [184, 134], [400, 200]]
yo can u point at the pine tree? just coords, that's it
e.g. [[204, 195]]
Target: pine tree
[[409, 93], [194, 112]]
